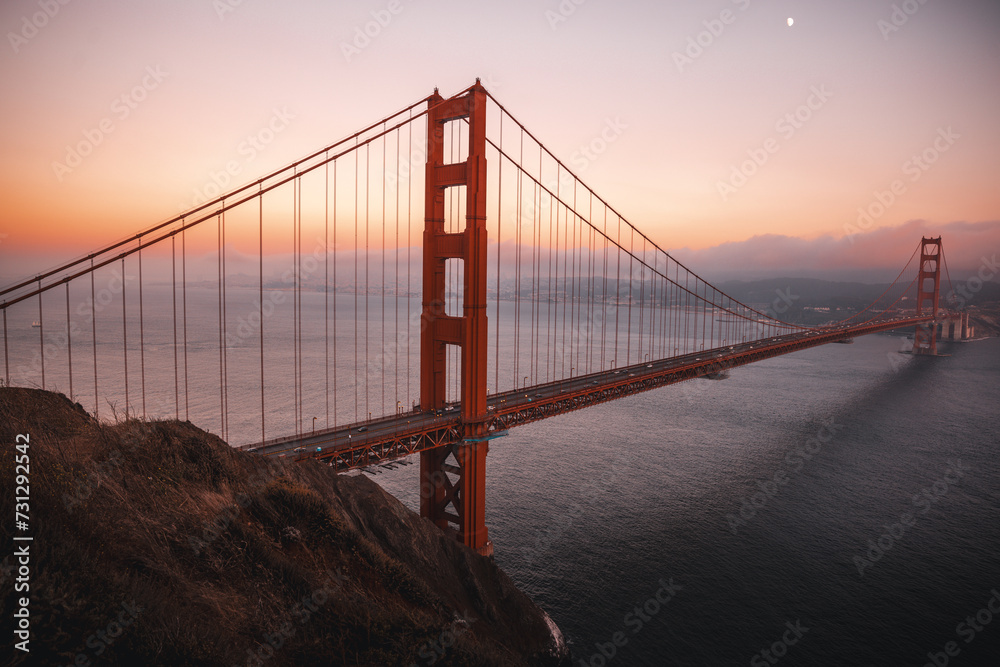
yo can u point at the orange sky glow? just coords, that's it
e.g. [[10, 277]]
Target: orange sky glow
[[722, 132]]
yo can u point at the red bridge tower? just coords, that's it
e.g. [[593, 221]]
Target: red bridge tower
[[453, 478], [928, 294]]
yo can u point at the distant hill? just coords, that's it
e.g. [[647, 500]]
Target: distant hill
[[825, 293], [805, 291]]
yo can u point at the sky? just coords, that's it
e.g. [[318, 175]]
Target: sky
[[823, 148]]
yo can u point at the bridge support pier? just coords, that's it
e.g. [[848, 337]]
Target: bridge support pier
[[453, 489], [928, 295]]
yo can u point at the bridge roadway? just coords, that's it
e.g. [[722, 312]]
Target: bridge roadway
[[383, 439]]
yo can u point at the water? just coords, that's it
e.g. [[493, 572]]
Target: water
[[365, 349], [591, 510]]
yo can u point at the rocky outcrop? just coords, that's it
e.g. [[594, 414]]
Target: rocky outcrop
[[155, 543]]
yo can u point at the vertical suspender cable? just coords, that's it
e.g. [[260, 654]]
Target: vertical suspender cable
[[225, 336], [326, 285], [674, 314], [687, 312], [142, 338], [642, 300], [367, 171], [517, 267], [537, 222], [711, 335], [496, 324], [665, 306], [532, 300], [704, 312], [357, 386], [677, 310], [669, 305], [571, 246], [604, 289], [628, 332], [574, 299], [549, 317], [382, 324], [582, 283], [560, 295], [396, 274], [334, 291], [93, 334], [225, 348], [661, 303], [260, 298], [187, 403], [661, 313], [651, 337], [553, 291], [295, 311], [298, 314], [565, 290], [618, 289], [659, 294], [69, 347], [409, 230], [222, 343], [573, 309], [710, 304], [297, 302], [578, 282], [655, 312], [124, 338], [591, 312]]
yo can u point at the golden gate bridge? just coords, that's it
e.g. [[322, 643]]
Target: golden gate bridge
[[567, 306]]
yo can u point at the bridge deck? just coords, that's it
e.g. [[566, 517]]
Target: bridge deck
[[366, 443]]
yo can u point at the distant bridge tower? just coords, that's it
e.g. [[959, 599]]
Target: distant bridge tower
[[452, 493], [928, 293]]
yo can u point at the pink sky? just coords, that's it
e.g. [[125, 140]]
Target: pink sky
[[761, 147]]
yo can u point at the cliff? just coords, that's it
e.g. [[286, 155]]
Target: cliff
[[155, 543]]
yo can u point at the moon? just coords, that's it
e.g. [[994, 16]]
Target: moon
[[790, 22]]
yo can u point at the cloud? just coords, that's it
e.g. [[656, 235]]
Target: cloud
[[875, 256], [872, 257]]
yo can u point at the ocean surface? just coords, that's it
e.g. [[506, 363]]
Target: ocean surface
[[631, 503], [834, 506]]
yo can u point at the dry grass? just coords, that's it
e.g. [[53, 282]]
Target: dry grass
[[220, 548]]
